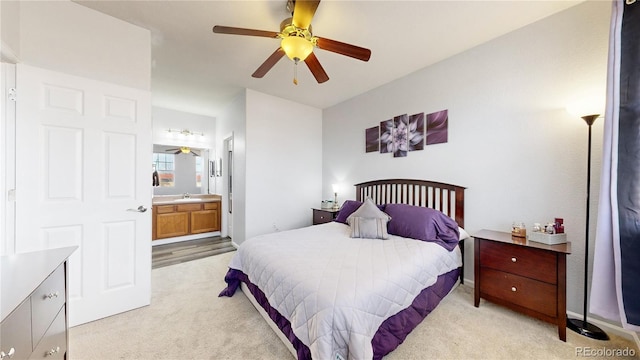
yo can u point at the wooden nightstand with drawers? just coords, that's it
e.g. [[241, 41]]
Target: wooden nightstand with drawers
[[524, 276], [321, 216]]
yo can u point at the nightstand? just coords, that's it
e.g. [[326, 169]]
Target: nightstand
[[321, 216], [522, 275]]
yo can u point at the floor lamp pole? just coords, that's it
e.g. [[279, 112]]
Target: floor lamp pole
[[582, 327]]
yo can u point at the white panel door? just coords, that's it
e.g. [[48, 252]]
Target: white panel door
[[83, 169]]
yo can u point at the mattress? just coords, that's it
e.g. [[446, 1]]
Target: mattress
[[337, 297]]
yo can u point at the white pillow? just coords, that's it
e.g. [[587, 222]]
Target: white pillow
[[369, 221], [463, 234]]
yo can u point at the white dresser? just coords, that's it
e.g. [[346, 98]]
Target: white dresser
[[33, 305]]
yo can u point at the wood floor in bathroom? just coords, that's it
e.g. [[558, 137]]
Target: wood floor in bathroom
[[170, 254]]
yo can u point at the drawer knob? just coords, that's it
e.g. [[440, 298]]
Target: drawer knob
[[513, 259], [53, 351], [52, 295], [8, 355], [513, 288]]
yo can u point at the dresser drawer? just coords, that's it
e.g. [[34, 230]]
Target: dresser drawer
[[525, 261], [54, 343], [211, 205], [46, 302], [188, 207], [323, 216], [519, 290], [15, 331], [165, 209]]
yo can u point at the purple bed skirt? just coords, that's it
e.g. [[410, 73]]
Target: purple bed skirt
[[391, 333]]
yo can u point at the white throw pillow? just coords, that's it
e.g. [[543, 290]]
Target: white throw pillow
[[369, 222]]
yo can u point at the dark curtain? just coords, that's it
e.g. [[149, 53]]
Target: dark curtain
[[615, 291], [629, 162]]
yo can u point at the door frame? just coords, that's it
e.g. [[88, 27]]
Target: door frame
[[227, 176], [8, 159]]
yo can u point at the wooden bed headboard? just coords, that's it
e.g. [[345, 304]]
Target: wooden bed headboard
[[446, 198]]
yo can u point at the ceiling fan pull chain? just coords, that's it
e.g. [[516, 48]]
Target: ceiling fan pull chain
[[295, 72]]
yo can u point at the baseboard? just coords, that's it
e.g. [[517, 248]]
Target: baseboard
[[608, 327], [184, 238], [234, 244]]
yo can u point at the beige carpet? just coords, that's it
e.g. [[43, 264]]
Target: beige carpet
[[186, 320]]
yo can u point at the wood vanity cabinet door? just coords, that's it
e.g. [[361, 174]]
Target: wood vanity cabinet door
[[204, 221], [215, 207], [172, 224]]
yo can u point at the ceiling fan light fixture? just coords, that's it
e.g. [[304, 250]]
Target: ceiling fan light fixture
[[185, 149], [296, 47]]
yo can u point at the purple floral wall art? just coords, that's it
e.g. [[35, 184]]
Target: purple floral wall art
[[386, 136], [437, 127], [372, 136], [400, 135], [406, 133], [416, 132]]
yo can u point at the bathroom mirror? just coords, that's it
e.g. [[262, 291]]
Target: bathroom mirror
[[180, 169]]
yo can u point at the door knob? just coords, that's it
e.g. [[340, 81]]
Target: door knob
[[139, 209]]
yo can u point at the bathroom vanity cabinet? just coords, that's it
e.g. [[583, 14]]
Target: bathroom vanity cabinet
[[185, 217]]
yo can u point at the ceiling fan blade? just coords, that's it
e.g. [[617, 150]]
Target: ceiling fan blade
[[303, 12], [269, 63], [353, 51], [241, 31], [178, 152], [193, 153], [316, 69]]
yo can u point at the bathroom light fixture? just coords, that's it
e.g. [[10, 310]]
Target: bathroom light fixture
[[185, 132]]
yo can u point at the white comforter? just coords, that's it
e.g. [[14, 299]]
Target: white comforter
[[336, 291]]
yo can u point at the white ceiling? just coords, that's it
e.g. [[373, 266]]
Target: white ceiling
[[197, 71]]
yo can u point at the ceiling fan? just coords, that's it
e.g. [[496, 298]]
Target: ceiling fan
[[297, 41], [183, 150]]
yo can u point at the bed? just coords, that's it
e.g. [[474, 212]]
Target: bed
[[330, 295]]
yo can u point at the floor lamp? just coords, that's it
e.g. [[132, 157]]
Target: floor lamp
[[583, 327]]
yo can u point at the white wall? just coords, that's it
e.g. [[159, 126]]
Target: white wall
[[277, 163], [284, 157], [70, 38], [511, 142], [232, 123], [9, 30], [164, 119]]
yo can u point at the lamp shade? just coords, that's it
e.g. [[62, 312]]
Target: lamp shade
[[591, 105], [296, 47]]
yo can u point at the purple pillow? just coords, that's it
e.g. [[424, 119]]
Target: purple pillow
[[347, 208], [423, 224]]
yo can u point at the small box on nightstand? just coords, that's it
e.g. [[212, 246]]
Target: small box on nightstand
[[549, 239]]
